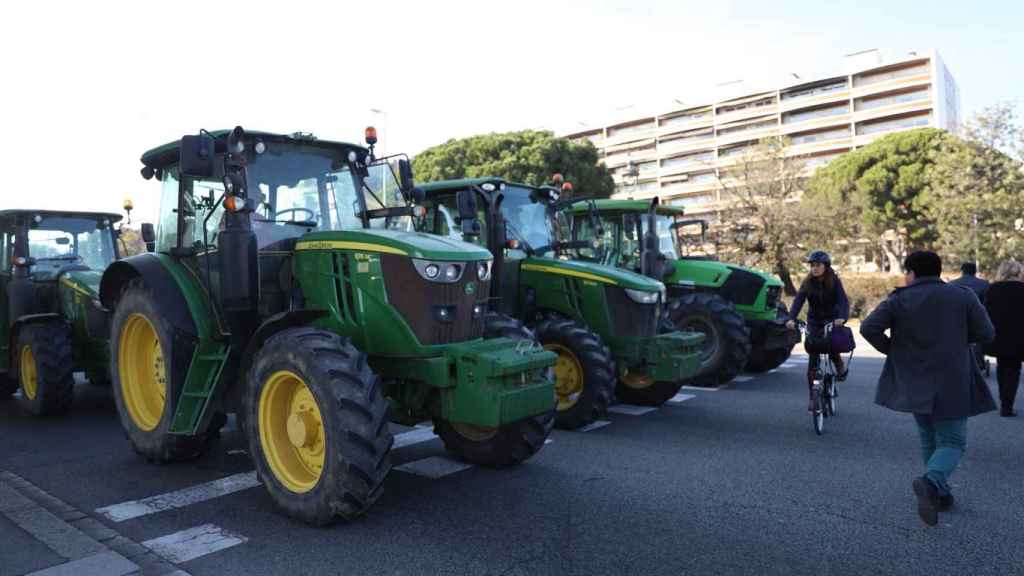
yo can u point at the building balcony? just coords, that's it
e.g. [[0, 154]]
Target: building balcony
[[756, 134], [815, 123], [790, 104], [916, 80], [753, 112], [893, 109], [685, 125]]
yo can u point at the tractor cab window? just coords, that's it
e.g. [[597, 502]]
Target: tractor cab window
[[58, 242], [529, 221], [585, 230], [442, 219], [381, 191], [666, 236], [631, 241]]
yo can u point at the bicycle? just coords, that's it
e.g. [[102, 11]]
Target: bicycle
[[824, 392]]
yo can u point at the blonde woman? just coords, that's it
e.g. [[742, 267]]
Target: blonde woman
[[1005, 304]]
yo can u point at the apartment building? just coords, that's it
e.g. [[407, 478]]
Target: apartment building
[[678, 155]]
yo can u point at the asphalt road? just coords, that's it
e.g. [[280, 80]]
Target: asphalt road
[[729, 481]]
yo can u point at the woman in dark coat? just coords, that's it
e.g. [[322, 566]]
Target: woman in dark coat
[[828, 305], [1005, 304]]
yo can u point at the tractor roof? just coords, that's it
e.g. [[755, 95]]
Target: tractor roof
[[607, 205], [459, 184], [167, 154], [6, 215]]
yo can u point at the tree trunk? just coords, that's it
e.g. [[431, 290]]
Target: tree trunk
[[895, 262], [787, 280]]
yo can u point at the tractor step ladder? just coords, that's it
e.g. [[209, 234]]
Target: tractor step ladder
[[193, 410]]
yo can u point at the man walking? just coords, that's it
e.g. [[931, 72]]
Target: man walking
[[929, 370], [969, 279]]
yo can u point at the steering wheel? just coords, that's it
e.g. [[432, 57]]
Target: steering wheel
[[312, 215]]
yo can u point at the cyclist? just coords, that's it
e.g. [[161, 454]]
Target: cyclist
[[824, 292]]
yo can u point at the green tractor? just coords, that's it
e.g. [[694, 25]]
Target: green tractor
[[53, 323], [601, 321], [283, 285], [739, 310]]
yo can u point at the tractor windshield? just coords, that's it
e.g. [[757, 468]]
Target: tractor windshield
[[666, 235], [528, 219], [57, 242]]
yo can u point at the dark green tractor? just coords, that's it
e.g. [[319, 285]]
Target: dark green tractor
[[739, 310], [53, 323], [601, 321], [284, 285]]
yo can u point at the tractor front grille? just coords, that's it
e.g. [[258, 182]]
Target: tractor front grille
[[629, 318], [418, 301], [742, 286]]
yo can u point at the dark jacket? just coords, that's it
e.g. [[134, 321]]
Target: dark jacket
[[1005, 303], [824, 307], [928, 366], [977, 285]]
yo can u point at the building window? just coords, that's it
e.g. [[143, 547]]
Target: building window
[[687, 137], [694, 158], [686, 201], [625, 155], [890, 74], [892, 98], [821, 159], [648, 167], [901, 123], [812, 113], [747, 127], [815, 90], [631, 129], [734, 150], [820, 135], [731, 108], [670, 121]]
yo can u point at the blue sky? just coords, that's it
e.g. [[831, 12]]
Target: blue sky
[[92, 85]]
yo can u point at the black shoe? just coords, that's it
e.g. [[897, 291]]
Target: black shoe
[[945, 503], [1007, 412], [842, 376], [927, 501]]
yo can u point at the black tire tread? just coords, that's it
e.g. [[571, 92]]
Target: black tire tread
[[735, 350], [51, 345], [598, 367], [356, 411]]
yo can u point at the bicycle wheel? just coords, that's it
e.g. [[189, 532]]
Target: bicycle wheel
[[818, 415], [830, 395]]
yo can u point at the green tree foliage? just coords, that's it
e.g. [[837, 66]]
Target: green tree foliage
[[979, 190], [885, 189], [528, 156]]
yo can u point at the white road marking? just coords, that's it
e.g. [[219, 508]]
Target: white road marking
[[680, 398], [414, 436], [631, 410], [179, 498], [548, 441], [193, 543], [743, 378], [594, 425], [434, 467], [788, 365], [109, 563], [237, 453], [703, 388], [798, 359]]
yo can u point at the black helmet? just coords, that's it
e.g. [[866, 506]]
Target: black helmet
[[819, 256]]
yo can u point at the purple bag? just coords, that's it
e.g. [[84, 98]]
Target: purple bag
[[842, 340]]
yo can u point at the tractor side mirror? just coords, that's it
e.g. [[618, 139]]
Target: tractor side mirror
[[405, 181], [466, 200], [418, 195], [148, 236], [196, 156]]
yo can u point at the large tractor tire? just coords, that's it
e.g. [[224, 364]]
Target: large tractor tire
[[145, 389], [44, 369], [641, 390], [726, 336], [508, 445], [584, 372], [762, 360], [316, 422], [8, 386]]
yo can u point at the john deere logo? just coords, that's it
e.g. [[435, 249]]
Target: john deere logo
[[470, 287]]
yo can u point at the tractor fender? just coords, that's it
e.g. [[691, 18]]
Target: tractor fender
[[158, 280]]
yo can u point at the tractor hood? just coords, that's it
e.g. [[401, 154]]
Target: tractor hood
[[593, 272], [84, 282], [711, 273], [411, 244]]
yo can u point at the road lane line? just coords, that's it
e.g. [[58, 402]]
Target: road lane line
[[704, 388], [179, 498], [631, 410], [193, 543], [680, 398], [434, 467], [594, 425], [414, 436]]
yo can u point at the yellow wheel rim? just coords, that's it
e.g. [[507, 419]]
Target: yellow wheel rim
[[474, 433], [29, 375], [292, 431], [568, 376], [143, 373], [636, 381]]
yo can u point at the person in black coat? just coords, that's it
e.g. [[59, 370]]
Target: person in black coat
[[1005, 303], [823, 290], [930, 369], [969, 279]]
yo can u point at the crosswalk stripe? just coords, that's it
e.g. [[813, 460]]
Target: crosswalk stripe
[[414, 436], [192, 543], [631, 410], [743, 379], [702, 388], [179, 498], [433, 467]]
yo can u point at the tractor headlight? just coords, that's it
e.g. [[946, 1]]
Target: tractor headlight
[[643, 296], [451, 272], [431, 271], [444, 272], [483, 270]]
